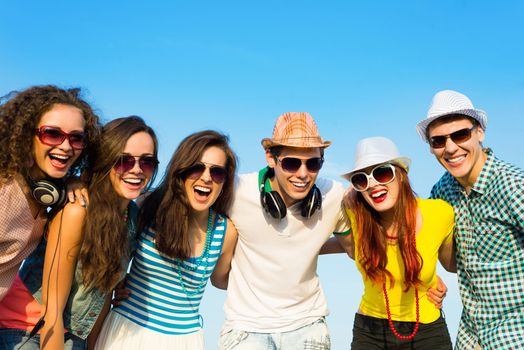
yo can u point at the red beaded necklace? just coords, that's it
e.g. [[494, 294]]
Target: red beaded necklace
[[395, 332]]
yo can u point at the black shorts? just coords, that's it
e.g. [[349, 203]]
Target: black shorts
[[374, 333]]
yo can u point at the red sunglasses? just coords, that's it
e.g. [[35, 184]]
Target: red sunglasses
[[127, 162], [54, 136]]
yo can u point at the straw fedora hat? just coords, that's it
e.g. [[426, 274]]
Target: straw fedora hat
[[295, 129], [374, 151], [449, 102]]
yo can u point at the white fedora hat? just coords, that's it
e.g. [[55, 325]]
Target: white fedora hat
[[376, 150], [449, 102]]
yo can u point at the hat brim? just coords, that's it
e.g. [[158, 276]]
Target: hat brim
[[297, 143], [403, 162], [477, 114]]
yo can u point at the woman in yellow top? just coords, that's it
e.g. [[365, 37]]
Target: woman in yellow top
[[395, 240]]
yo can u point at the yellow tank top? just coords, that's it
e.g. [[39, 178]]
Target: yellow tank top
[[437, 229]]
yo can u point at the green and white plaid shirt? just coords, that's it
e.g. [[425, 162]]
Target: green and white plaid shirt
[[490, 252]]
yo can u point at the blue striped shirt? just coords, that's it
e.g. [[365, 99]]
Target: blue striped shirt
[[158, 299]]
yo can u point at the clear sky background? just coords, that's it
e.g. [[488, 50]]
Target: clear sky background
[[362, 69]]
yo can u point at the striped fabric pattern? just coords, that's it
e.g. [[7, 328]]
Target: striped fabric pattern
[[20, 233], [158, 301], [489, 234]]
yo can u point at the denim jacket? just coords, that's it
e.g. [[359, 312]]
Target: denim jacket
[[83, 305]]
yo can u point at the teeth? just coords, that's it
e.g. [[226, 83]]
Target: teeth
[[378, 194], [59, 156], [133, 181], [202, 189], [299, 184], [456, 160]]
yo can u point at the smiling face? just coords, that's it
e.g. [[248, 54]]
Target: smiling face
[[293, 186], [130, 184], [465, 160], [382, 198], [55, 161], [203, 191]]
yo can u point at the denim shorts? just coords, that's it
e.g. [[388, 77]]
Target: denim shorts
[[12, 339], [314, 336], [374, 333]]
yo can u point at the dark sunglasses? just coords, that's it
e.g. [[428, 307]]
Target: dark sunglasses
[[291, 164], [382, 174], [218, 173], [127, 162], [459, 136], [53, 136]]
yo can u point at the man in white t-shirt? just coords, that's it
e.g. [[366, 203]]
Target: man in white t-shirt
[[283, 214]]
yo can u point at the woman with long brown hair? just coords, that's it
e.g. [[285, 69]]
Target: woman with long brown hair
[[68, 279], [395, 240], [184, 238]]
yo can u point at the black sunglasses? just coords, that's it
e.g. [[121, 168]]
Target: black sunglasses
[[54, 136], [382, 174], [459, 136], [291, 164], [218, 173], [127, 162]]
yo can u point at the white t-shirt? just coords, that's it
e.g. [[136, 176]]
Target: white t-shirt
[[273, 284]]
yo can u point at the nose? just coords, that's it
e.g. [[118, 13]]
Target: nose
[[65, 145], [136, 169], [450, 146], [206, 175], [302, 172]]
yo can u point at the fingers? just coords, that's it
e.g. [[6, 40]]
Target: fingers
[[441, 285], [436, 297]]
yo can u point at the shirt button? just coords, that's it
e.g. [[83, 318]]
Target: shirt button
[[91, 314], [79, 332]]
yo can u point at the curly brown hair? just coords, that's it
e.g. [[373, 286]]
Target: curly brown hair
[[167, 209], [20, 113], [105, 243]]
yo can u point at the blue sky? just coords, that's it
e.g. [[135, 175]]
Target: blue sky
[[362, 69]]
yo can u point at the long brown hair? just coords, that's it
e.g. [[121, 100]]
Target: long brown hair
[[372, 250], [167, 209], [20, 113], [105, 242]]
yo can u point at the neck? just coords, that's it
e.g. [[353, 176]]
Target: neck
[[200, 219], [468, 181]]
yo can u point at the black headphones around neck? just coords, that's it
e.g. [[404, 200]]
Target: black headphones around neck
[[274, 205], [48, 192]]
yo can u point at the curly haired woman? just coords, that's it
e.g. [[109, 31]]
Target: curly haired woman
[[46, 134]]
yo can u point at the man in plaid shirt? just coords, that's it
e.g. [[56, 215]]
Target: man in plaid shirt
[[487, 195]]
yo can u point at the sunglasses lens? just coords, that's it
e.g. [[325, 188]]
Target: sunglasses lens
[[147, 164], [438, 141], [218, 174], [77, 141], [383, 174], [124, 164], [51, 136], [195, 171], [291, 165], [359, 181], [461, 136], [314, 164]]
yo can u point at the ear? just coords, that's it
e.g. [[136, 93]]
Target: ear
[[270, 159], [480, 133]]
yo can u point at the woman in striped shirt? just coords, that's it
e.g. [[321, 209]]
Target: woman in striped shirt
[[185, 237]]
